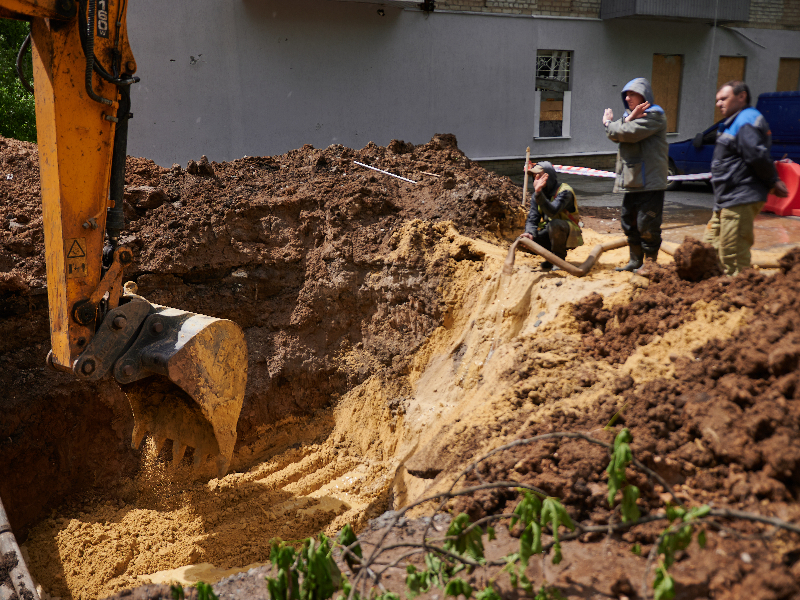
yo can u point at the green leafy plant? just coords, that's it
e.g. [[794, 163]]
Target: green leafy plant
[[488, 593], [176, 591], [675, 538], [352, 552], [205, 591], [463, 541], [621, 457], [286, 586], [548, 593], [314, 561]]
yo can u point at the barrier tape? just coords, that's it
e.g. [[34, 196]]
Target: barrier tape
[[586, 171], [384, 172]]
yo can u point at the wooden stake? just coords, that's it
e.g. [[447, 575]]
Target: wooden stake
[[525, 184]]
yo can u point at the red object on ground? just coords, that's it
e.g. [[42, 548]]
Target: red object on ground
[[789, 206]]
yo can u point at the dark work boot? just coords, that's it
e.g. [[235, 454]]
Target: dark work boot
[[636, 260], [649, 258]]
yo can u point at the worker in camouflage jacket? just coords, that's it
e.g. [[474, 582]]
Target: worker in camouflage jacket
[[742, 174], [553, 220], [642, 162]]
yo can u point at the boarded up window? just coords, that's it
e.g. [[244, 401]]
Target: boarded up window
[[731, 68], [789, 75], [553, 70], [666, 80]]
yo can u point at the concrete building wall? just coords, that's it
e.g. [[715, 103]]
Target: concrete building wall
[[260, 77]]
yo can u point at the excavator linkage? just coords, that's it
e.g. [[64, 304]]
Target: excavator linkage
[[183, 373]]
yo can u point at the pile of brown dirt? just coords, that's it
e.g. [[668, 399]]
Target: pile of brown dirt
[[615, 333], [293, 248]]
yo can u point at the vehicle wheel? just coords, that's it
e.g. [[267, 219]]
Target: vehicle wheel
[[672, 170]]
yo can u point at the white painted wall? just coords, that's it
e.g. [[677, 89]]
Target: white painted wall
[[268, 76]]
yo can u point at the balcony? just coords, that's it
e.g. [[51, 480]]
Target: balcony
[[691, 10], [390, 3]]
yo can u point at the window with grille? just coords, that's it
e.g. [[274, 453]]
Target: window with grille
[[553, 75]]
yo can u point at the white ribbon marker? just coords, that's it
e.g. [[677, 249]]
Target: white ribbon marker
[[598, 173], [385, 172]]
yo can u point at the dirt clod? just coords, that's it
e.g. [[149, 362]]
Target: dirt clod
[[695, 260]]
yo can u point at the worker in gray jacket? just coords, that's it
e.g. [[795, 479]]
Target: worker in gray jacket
[[642, 162]]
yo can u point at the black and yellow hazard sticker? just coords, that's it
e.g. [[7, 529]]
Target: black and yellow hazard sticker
[[75, 251]]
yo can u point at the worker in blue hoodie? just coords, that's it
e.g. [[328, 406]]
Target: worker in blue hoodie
[[742, 173], [642, 163]]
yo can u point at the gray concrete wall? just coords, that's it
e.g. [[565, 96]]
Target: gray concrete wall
[[260, 77]]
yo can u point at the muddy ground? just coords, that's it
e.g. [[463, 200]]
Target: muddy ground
[[386, 351]]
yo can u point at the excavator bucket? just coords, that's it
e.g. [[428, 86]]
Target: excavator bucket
[[196, 402]]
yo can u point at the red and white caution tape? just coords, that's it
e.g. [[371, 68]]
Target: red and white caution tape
[[695, 177], [598, 173], [583, 171]]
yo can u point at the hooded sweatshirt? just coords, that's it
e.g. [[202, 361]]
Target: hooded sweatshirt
[[554, 202], [643, 154]]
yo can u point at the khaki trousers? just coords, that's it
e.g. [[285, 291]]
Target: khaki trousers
[[730, 231]]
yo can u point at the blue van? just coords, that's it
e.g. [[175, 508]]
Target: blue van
[[782, 112]]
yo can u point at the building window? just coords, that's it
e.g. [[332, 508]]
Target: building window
[[788, 75], [666, 80], [553, 96]]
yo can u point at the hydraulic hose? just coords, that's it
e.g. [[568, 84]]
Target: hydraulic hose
[[89, 51], [20, 56], [583, 269], [85, 28], [115, 218]]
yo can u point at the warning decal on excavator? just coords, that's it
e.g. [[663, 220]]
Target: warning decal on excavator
[[76, 257]]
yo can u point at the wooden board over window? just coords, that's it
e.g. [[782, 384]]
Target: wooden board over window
[[666, 81], [731, 68], [551, 110], [788, 75]]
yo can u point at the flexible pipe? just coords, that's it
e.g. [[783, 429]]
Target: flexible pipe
[[20, 57], [20, 578], [586, 266], [583, 269]]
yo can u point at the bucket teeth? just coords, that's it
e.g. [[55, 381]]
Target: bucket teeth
[[159, 441], [222, 466], [178, 449], [138, 435], [197, 464], [186, 380]]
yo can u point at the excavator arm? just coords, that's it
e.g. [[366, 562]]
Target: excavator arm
[[183, 373]]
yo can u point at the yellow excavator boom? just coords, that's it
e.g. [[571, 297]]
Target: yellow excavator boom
[[83, 69]]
